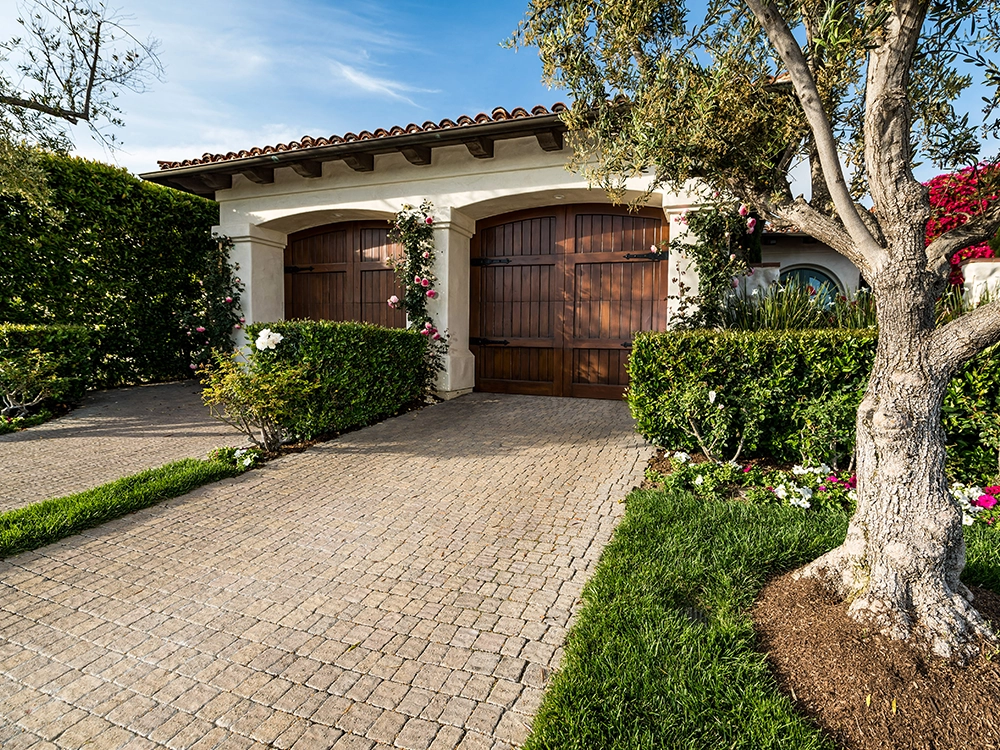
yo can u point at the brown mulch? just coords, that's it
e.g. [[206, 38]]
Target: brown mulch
[[871, 693]]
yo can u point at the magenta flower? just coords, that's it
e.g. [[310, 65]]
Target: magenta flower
[[743, 210], [425, 332], [431, 293], [243, 320], [747, 468], [229, 299], [237, 326], [436, 337], [426, 255], [995, 490], [425, 282], [428, 325], [751, 224], [429, 220], [193, 366], [416, 279], [200, 329], [986, 501]]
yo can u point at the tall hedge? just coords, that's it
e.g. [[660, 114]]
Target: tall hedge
[[760, 382], [113, 253], [364, 372]]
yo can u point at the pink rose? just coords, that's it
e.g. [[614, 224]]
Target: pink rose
[[426, 255], [436, 337], [429, 220], [416, 279], [743, 211], [243, 320], [425, 282], [751, 224], [425, 332], [431, 293], [237, 326], [428, 325], [229, 299], [193, 366], [200, 329]]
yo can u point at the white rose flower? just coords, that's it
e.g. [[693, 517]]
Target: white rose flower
[[268, 339]]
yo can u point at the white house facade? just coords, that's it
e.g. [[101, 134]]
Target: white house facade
[[542, 281]]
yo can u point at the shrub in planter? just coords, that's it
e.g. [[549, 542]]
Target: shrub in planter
[[310, 378]]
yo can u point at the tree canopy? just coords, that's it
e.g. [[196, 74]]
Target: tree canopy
[[70, 64]]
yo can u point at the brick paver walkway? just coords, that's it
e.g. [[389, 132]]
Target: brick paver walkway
[[113, 434], [408, 585]]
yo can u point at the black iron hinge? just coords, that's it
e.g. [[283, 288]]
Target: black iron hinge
[[476, 341], [297, 269], [488, 261], [647, 256]]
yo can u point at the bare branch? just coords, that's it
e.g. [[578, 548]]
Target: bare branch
[[826, 144], [955, 343], [62, 114]]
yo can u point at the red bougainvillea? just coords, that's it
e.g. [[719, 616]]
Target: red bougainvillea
[[954, 199]]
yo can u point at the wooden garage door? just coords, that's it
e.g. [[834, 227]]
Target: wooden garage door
[[339, 272], [557, 294]]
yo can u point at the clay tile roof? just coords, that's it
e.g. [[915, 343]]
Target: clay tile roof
[[306, 142]]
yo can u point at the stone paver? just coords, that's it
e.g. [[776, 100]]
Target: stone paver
[[408, 585], [113, 434]]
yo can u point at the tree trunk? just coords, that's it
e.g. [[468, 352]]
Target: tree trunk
[[899, 566]]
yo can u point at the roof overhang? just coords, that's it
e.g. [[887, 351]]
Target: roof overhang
[[205, 179]]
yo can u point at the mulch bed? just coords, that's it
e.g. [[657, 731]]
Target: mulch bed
[[871, 693]]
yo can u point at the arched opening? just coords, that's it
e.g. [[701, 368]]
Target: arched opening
[[819, 281]]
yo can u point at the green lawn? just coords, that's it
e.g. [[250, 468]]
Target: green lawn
[[663, 652], [42, 523]]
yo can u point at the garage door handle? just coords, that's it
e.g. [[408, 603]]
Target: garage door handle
[[475, 341], [647, 256], [627, 344]]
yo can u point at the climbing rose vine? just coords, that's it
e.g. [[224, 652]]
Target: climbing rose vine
[[413, 228], [954, 199]]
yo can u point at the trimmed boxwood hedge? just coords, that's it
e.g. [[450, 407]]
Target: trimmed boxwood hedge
[[365, 372], [72, 348], [790, 368]]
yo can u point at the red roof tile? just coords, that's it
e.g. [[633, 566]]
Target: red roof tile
[[306, 142]]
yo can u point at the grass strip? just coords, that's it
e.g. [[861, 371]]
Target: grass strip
[[663, 654], [48, 521]]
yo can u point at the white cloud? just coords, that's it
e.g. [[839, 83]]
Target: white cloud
[[372, 84]]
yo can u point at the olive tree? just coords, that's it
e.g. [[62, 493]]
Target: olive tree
[[71, 62], [860, 92]]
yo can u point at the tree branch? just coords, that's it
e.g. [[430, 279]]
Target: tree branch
[[63, 114], [826, 144], [954, 344], [979, 228]]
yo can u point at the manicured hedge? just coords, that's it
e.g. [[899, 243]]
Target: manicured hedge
[[365, 372], [766, 377], [131, 258], [72, 348]]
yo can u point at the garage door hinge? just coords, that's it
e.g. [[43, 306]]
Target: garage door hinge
[[488, 261], [476, 341], [647, 256], [297, 269]]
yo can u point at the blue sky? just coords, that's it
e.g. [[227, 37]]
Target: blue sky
[[242, 73]]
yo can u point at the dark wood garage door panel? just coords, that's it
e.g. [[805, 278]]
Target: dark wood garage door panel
[[376, 288], [603, 233], [535, 236], [519, 301], [315, 296], [611, 300]]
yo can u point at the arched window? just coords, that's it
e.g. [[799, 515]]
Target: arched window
[[821, 283]]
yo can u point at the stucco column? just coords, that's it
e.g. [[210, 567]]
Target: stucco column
[[683, 277], [259, 253], [452, 232]]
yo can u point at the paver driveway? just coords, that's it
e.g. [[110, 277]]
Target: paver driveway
[[113, 434], [406, 585]]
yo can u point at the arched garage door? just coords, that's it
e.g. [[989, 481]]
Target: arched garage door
[[557, 294], [339, 272]]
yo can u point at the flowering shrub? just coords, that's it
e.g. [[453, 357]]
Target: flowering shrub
[[955, 198], [214, 313], [268, 339], [241, 459], [816, 487]]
